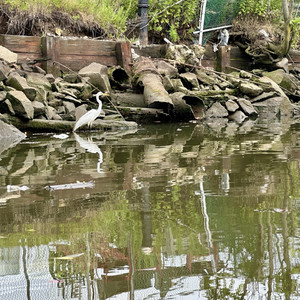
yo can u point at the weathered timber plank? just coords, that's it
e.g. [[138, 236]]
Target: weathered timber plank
[[123, 55], [22, 57], [87, 47], [19, 44], [78, 62], [50, 51], [68, 58], [153, 51]]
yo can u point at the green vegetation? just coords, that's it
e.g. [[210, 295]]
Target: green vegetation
[[172, 19], [259, 8], [175, 21], [111, 16]]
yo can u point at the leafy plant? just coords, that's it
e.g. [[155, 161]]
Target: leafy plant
[[171, 18], [296, 32], [258, 7]]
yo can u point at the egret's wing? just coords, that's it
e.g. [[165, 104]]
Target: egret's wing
[[84, 119]]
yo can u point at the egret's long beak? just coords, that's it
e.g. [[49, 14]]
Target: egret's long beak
[[106, 94]]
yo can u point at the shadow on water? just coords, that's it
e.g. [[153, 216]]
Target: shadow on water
[[184, 211]]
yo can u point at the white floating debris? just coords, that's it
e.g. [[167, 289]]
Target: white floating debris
[[15, 188], [61, 136], [77, 185]]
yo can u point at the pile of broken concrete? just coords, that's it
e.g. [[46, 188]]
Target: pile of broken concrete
[[157, 90], [188, 91], [30, 99]]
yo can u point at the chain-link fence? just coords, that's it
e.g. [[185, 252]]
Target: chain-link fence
[[218, 13]]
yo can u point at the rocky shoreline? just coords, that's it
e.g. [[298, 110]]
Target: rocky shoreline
[[163, 90]]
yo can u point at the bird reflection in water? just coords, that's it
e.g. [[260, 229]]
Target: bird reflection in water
[[91, 147]]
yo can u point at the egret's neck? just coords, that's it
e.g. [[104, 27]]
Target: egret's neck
[[100, 104]]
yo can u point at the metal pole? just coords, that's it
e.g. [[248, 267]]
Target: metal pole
[[201, 20], [143, 14]]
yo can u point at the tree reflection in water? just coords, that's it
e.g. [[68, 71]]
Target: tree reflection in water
[[190, 211]]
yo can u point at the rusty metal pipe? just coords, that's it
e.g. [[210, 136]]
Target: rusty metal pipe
[[143, 14]]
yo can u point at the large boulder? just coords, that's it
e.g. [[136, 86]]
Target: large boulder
[[286, 107], [205, 78], [283, 79], [2, 96], [250, 89], [190, 80], [274, 107], [270, 85], [217, 110], [97, 75], [4, 70], [52, 114], [19, 83], [39, 87], [9, 131], [38, 80], [21, 104], [231, 106], [6, 107], [264, 96], [16, 81], [165, 68], [8, 55], [247, 107], [39, 109]]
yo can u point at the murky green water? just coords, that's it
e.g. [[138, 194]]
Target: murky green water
[[179, 211]]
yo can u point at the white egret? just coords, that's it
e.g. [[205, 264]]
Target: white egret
[[90, 116]]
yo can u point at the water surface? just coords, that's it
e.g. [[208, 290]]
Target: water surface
[[173, 211]]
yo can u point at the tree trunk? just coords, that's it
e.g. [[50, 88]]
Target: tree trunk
[[287, 8]]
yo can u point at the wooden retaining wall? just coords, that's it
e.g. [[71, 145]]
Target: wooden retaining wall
[[27, 47], [59, 53]]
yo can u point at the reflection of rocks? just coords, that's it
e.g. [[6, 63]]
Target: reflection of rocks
[[9, 136], [163, 157]]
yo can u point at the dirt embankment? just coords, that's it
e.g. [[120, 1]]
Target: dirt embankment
[[17, 22]]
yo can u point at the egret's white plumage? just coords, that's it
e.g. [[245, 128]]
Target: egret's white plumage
[[90, 116]]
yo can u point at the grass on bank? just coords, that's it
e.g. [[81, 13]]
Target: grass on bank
[[110, 16]]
